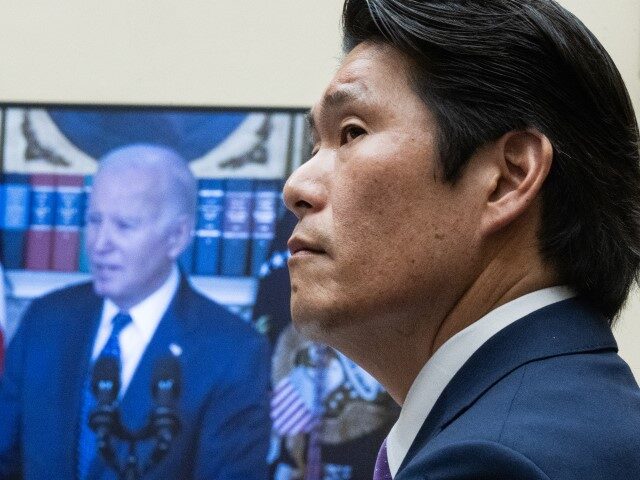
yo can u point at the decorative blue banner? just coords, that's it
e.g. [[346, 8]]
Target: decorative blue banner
[[192, 134]]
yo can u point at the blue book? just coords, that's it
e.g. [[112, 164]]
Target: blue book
[[83, 258], [15, 219], [236, 227], [3, 193], [266, 198], [206, 251]]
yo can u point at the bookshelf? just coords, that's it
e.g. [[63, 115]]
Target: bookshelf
[[49, 154]]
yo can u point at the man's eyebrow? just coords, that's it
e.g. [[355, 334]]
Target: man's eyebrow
[[340, 96], [334, 100]]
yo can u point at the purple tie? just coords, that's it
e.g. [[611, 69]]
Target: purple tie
[[382, 471]]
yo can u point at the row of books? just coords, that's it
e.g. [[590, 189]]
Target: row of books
[[42, 219]]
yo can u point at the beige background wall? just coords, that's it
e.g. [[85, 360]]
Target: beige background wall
[[224, 52], [617, 24]]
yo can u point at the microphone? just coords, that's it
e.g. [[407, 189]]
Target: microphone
[[165, 387], [105, 384], [105, 381]]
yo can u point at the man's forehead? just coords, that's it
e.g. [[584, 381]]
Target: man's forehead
[[353, 76], [121, 186], [358, 71], [128, 176]]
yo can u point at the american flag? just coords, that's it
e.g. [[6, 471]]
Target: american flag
[[289, 411]]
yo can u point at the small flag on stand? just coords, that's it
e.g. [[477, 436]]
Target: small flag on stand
[[290, 413]]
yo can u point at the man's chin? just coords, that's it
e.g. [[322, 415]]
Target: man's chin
[[102, 289], [317, 324]]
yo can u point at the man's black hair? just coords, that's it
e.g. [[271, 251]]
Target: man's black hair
[[487, 67]]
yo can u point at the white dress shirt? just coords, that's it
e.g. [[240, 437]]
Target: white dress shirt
[[449, 358], [135, 337]]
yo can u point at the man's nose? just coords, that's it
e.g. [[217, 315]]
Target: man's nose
[[102, 237], [306, 189]]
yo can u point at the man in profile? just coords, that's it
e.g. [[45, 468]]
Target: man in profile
[[138, 309], [468, 230]]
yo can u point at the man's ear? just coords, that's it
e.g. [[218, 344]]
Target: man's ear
[[180, 235], [519, 163]]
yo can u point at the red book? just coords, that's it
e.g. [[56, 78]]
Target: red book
[[39, 241], [69, 203]]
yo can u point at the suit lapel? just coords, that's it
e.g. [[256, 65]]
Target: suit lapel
[[562, 328], [172, 329], [74, 368], [136, 403]]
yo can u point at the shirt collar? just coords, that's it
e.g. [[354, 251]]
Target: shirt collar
[[147, 314], [449, 358]]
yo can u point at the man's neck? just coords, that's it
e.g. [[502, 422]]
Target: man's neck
[[489, 291], [396, 345]]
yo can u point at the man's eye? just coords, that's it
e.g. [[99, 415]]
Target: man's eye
[[92, 220], [351, 132], [125, 225]]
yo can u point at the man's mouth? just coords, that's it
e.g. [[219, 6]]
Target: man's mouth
[[104, 269], [300, 246]]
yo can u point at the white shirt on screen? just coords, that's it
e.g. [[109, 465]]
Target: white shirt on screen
[[135, 337], [449, 358]]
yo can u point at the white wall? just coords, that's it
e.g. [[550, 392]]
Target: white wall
[[188, 52], [224, 52]]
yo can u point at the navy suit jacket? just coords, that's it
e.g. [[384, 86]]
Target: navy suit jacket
[[546, 398], [223, 406]]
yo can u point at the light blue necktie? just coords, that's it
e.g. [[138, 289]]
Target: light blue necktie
[[87, 438]]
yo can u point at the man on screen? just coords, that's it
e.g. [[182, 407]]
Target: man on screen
[[468, 229], [138, 309]]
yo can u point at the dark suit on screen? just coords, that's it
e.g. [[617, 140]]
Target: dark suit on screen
[[545, 398], [223, 406]]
